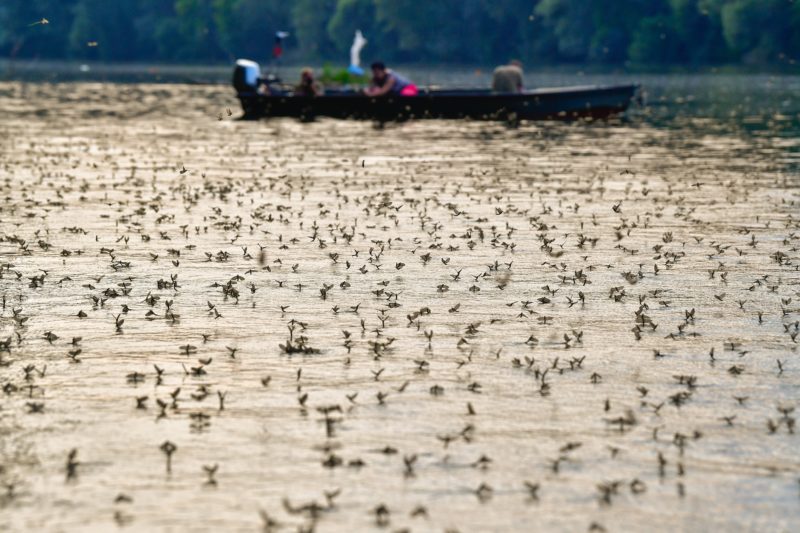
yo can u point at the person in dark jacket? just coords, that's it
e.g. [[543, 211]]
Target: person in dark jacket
[[308, 86]]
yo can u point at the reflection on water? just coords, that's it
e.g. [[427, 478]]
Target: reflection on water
[[435, 325]]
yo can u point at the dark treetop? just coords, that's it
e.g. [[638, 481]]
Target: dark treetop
[[638, 32]]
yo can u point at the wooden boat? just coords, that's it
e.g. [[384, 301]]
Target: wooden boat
[[567, 103]]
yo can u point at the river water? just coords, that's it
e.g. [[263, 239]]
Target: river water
[[433, 326]]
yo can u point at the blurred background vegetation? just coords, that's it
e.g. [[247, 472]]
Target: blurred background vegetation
[[465, 32]]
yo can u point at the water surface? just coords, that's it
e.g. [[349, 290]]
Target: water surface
[[561, 326]]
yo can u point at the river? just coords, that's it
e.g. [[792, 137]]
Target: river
[[217, 325]]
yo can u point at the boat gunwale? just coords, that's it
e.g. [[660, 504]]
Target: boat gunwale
[[464, 93]]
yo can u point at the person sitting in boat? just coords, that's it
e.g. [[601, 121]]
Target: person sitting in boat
[[385, 81], [508, 78], [308, 86]]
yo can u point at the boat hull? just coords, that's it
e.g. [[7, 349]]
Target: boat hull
[[544, 104]]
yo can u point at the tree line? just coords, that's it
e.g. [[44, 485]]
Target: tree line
[[644, 32]]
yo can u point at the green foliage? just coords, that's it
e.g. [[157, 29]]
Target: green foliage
[[656, 40], [246, 28], [19, 38], [310, 21], [759, 31], [352, 15], [98, 29], [440, 31], [196, 27], [341, 76]]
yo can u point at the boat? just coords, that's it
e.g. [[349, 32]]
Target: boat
[[564, 103]]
